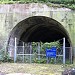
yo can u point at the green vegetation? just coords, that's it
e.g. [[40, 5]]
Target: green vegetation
[[45, 45], [46, 1], [55, 3], [35, 52], [4, 56], [51, 44]]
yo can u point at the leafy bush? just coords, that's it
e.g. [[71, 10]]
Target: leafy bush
[[51, 44], [4, 56], [34, 46], [37, 60], [52, 60], [59, 59], [44, 60], [19, 59], [68, 61]]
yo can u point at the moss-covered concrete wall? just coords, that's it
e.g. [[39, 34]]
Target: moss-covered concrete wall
[[12, 14]]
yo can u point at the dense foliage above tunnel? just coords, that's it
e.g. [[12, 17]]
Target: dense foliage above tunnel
[[54, 3]]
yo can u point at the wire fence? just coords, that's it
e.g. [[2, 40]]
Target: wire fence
[[29, 53], [26, 54]]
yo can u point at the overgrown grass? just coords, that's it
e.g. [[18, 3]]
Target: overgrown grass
[[36, 69]]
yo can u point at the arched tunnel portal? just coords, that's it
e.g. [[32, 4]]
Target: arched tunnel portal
[[39, 28]]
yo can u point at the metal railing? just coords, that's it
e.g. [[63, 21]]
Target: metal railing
[[27, 55]]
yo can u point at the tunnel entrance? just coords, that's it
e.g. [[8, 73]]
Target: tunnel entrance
[[45, 34], [39, 28]]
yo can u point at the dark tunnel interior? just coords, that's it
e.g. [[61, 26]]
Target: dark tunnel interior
[[44, 34], [39, 28]]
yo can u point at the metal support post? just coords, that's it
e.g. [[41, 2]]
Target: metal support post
[[30, 51], [63, 50], [23, 52], [71, 55]]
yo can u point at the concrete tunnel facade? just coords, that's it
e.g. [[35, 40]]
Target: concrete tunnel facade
[[36, 22], [39, 28]]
